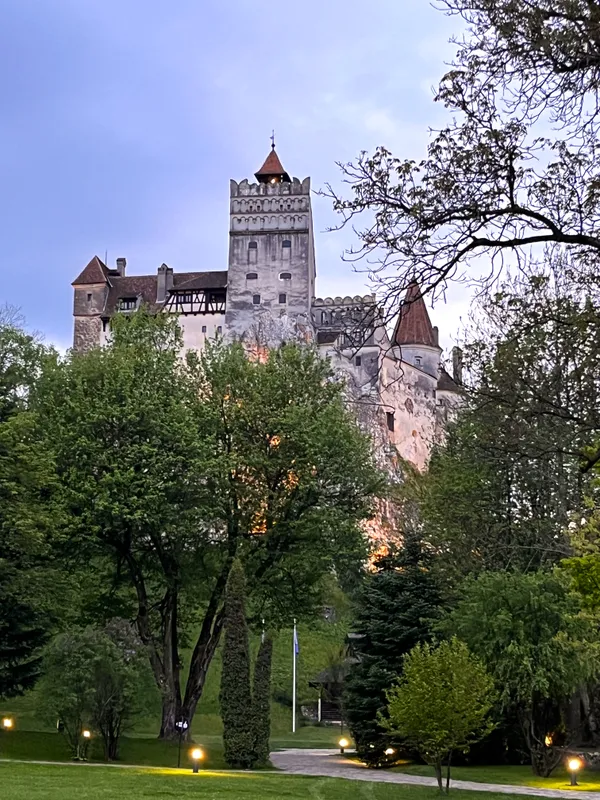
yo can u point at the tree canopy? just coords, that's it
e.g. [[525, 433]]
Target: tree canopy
[[172, 467]]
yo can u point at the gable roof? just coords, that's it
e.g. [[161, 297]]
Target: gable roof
[[446, 382], [272, 168], [95, 272], [217, 279], [414, 325]]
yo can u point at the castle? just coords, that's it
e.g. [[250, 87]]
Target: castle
[[268, 294]]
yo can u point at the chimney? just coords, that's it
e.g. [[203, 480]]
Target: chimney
[[436, 335], [457, 364], [121, 264], [164, 282]]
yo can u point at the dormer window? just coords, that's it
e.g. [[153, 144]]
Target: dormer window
[[128, 304], [285, 276], [251, 276]]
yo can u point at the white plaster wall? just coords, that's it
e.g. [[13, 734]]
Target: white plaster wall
[[194, 338]]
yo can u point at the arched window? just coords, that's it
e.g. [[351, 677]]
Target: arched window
[[285, 276], [252, 245], [251, 276]]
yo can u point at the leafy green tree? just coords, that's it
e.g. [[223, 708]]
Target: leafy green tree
[[442, 703], [530, 632], [261, 702], [395, 610], [514, 470], [28, 578], [236, 695], [91, 680], [172, 467]]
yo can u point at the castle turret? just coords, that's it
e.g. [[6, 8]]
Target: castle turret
[[90, 293], [415, 335], [271, 248]]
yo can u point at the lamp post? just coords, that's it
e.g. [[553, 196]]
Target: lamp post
[[8, 723], [575, 765], [197, 755], [343, 743], [182, 727]]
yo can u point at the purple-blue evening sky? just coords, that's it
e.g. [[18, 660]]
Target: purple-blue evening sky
[[123, 121]]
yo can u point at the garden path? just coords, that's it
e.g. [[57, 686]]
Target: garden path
[[330, 764]]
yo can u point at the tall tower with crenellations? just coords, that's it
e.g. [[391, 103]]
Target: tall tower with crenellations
[[271, 249]]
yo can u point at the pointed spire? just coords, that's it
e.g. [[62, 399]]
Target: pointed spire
[[414, 325], [95, 272], [272, 170]]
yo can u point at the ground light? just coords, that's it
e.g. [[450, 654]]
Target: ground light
[[7, 723], [575, 765], [390, 751], [343, 743], [197, 755]]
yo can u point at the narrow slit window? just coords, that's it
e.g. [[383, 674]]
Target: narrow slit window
[[204, 329], [287, 249], [390, 420], [89, 297], [358, 361], [282, 299], [219, 329]]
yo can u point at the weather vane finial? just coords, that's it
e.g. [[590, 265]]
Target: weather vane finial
[[273, 139]]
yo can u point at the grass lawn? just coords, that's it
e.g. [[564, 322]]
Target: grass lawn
[[144, 750], [39, 782], [587, 779]]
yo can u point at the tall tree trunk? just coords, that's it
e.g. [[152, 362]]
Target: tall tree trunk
[[448, 772], [438, 774]]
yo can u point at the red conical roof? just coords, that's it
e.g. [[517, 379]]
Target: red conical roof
[[272, 168], [414, 325], [94, 272]]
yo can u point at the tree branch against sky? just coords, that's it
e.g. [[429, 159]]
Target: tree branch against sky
[[497, 181]]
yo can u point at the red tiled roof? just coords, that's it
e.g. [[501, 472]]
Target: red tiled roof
[[145, 286], [272, 168], [414, 325], [94, 272]]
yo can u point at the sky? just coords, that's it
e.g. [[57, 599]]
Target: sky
[[122, 121]]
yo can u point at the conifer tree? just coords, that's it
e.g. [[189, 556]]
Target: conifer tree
[[261, 702], [235, 696], [396, 608]]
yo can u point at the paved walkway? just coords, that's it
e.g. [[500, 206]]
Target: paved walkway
[[329, 764]]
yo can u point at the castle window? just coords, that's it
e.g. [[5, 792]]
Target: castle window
[[285, 276], [256, 299], [286, 243], [89, 297], [358, 361], [219, 329], [418, 360], [128, 303], [282, 299], [251, 276], [252, 252], [390, 420], [204, 329], [287, 249], [105, 323]]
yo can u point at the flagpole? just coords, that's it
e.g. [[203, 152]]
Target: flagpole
[[294, 648]]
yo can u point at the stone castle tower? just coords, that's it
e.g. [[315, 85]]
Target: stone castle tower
[[395, 378], [271, 248]]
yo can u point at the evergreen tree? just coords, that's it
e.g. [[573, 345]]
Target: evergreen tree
[[261, 702], [396, 608], [235, 696]]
